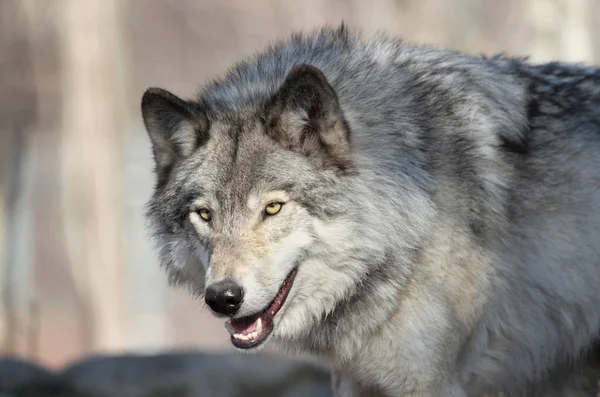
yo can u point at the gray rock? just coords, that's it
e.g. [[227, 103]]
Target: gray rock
[[188, 374], [55, 387], [15, 372]]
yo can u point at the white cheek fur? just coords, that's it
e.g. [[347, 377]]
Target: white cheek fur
[[290, 247]]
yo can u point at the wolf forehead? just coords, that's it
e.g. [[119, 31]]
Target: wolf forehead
[[237, 164], [237, 161]]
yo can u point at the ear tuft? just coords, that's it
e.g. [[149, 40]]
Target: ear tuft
[[305, 116], [175, 127]]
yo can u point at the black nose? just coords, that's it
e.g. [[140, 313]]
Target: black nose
[[224, 297]]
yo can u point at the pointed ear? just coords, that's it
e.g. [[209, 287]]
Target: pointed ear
[[176, 127], [305, 116]]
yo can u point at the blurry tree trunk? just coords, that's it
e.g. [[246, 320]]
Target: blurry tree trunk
[[544, 20], [562, 30], [7, 11], [17, 114], [576, 35], [94, 97]]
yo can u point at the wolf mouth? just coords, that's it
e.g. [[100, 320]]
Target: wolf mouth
[[251, 331]]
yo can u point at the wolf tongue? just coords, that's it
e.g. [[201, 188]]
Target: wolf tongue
[[243, 325]]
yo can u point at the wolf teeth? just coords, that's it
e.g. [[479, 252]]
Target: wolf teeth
[[251, 335]]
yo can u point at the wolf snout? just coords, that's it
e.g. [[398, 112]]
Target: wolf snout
[[224, 297]]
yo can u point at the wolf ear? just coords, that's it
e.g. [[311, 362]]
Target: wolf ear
[[305, 116], [176, 128]]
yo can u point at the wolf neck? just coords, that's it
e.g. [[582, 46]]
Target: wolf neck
[[341, 334]]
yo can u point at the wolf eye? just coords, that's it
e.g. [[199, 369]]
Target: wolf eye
[[273, 208], [204, 214]]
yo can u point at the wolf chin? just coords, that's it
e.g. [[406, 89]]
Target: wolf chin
[[426, 221]]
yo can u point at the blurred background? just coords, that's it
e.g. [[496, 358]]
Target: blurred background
[[77, 273]]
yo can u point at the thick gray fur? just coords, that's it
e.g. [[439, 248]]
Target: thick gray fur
[[447, 232]]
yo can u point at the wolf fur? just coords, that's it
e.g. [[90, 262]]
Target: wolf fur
[[442, 209]]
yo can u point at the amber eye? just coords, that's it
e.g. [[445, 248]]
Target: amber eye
[[204, 214], [273, 208]]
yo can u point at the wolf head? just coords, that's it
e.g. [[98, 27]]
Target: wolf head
[[281, 195], [248, 200]]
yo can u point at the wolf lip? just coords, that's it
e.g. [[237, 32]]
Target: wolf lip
[[250, 331]]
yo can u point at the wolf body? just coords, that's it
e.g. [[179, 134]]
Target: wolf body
[[426, 221]]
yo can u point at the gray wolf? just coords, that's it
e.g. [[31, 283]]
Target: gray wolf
[[424, 220]]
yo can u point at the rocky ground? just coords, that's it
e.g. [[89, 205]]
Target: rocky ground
[[179, 374], [206, 374]]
